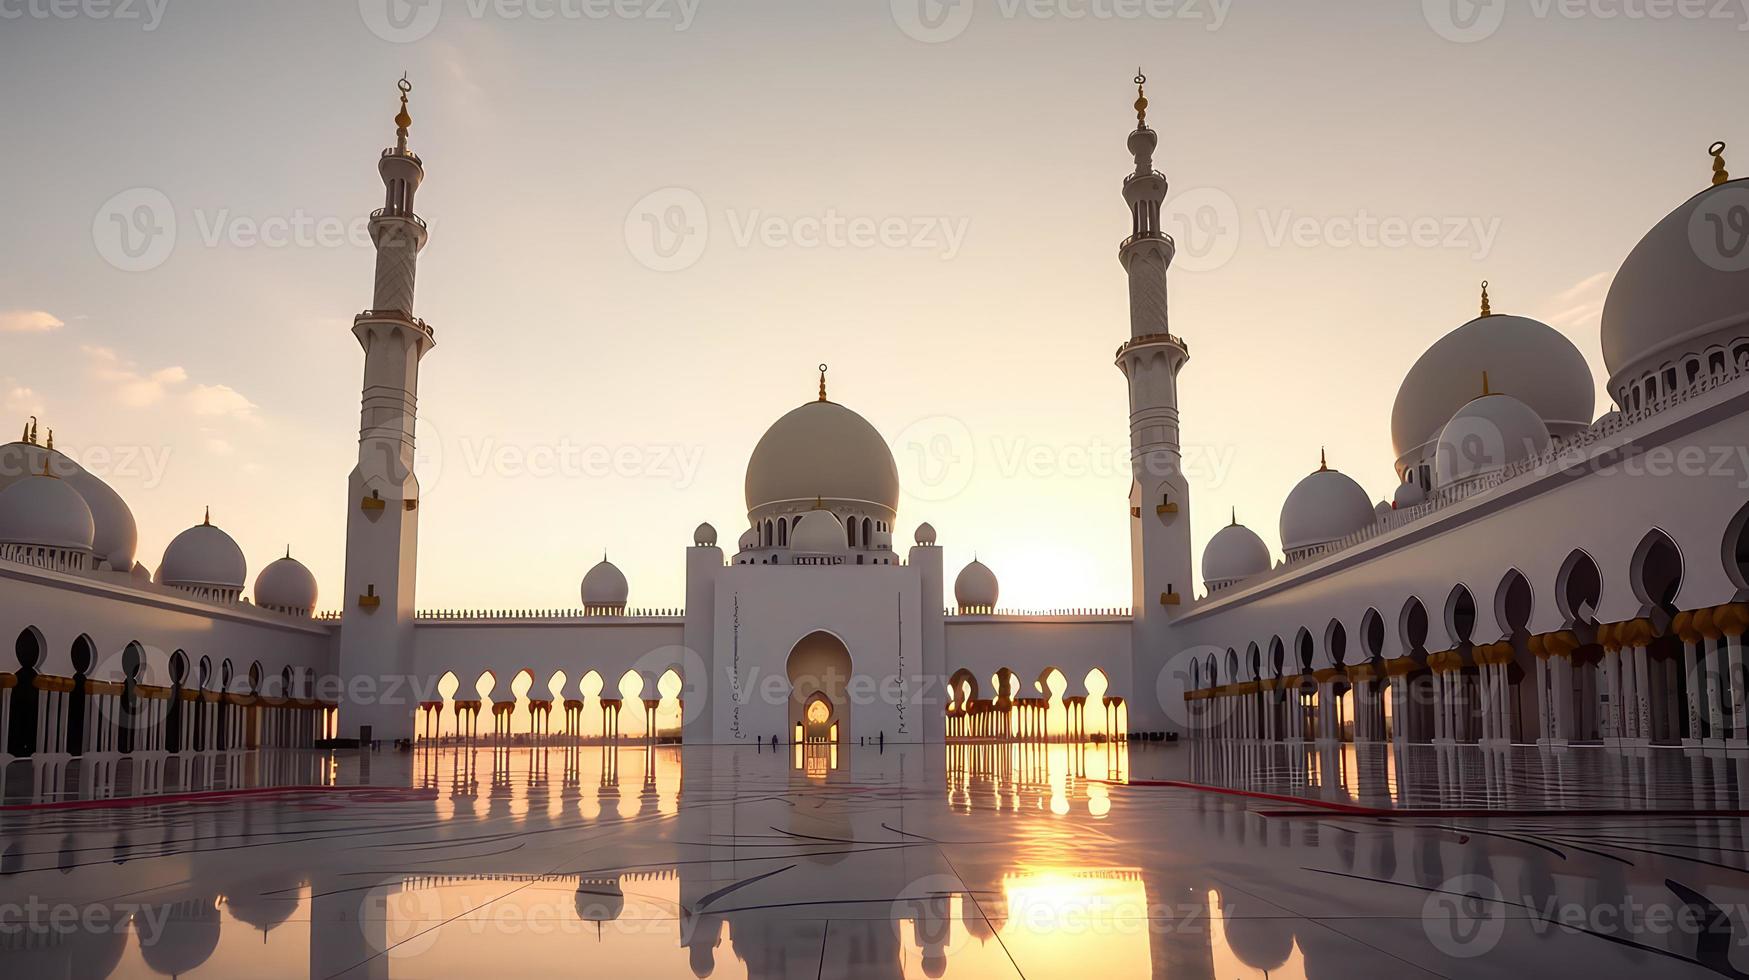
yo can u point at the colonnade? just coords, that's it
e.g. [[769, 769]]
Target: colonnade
[[1656, 680]]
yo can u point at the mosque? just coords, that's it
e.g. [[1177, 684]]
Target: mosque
[[1545, 572]]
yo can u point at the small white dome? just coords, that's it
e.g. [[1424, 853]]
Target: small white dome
[[705, 536], [1680, 289], [1485, 435], [605, 586], [1235, 552], [141, 574], [1323, 507], [47, 512], [117, 536], [203, 557], [749, 539], [819, 532], [1408, 495], [976, 587], [925, 534], [1522, 355], [286, 585]]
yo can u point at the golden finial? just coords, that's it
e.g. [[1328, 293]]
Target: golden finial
[[1235, 517], [288, 551], [1486, 309], [822, 382], [403, 121], [51, 446], [1720, 174], [32, 439], [1141, 101], [1486, 391], [207, 521], [1323, 461]]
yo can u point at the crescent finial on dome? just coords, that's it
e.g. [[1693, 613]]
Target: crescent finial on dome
[[1486, 309], [1141, 101], [823, 382], [1323, 460], [207, 521], [1720, 174]]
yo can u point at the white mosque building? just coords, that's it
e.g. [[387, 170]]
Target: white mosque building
[[1545, 573]]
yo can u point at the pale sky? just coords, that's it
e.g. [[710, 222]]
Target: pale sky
[[585, 397]]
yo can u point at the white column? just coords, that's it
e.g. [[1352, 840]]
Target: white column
[[1561, 696], [1711, 653], [1643, 692], [1692, 672], [1609, 714]]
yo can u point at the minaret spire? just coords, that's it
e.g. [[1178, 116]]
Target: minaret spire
[[822, 382], [403, 121]]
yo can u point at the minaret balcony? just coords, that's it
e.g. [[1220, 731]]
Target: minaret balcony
[[1153, 340], [403, 154], [1148, 236], [394, 213], [401, 317], [1130, 177]]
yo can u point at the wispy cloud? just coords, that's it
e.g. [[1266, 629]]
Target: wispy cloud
[[130, 386], [219, 400], [1580, 304], [29, 321]]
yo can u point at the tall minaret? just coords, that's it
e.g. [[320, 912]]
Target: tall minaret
[[382, 506], [1150, 361]]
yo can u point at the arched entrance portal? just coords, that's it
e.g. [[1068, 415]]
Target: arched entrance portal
[[819, 674]]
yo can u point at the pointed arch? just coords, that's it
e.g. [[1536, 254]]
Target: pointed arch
[[1578, 588], [1657, 571]]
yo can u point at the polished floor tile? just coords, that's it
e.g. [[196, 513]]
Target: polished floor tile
[[1087, 862]]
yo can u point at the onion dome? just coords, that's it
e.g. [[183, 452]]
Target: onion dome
[[1321, 508], [46, 511], [976, 589], [705, 536], [819, 533], [822, 450], [1683, 288], [605, 589], [1486, 435], [925, 534], [1234, 553], [1523, 355], [286, 586], [204, 560], [115, 536], [1408, 495], [749, 540], [141, 574]]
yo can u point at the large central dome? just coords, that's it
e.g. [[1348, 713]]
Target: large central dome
[[822, 451]]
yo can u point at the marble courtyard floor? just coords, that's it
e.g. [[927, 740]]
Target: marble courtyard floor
[[1101, 862]]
